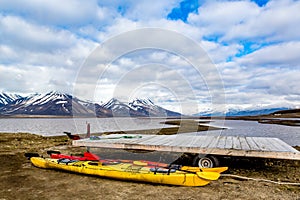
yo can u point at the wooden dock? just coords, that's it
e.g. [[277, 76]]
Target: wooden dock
[[263, 147]]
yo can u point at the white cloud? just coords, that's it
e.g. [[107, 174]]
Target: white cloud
[[217, 17], [279, 20], [233, 75], [55, 12], [236, 20], [156, 74], [18, 33], [122, 25], [145, 10], [25, 79], [253, 86], [278, 55], [40, 45], [41, 57], [220, 53]]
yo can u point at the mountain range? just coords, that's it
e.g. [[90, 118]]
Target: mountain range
[[61, 104]]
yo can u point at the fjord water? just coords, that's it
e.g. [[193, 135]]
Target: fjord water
[[56, 126], [289, 134]]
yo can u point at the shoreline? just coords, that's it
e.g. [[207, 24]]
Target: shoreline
[[283, 119]]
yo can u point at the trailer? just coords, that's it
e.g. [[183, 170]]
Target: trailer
[[206, 148]]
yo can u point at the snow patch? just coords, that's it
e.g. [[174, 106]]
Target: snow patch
[[61, 102]]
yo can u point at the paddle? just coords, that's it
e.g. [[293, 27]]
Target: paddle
[[197, 169], [115, 137], [204, 175], [140, 163], [53, 152], [212, 176], [73, 137]]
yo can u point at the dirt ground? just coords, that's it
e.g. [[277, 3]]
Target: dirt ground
[[20, 180]]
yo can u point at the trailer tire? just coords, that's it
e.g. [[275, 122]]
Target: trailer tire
[[205, 161]]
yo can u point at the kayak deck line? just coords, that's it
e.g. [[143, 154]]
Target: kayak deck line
[[260, 147]]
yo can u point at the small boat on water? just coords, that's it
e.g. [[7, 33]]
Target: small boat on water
[[134, 171]]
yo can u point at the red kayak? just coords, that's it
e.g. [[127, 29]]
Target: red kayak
[[87, 156]]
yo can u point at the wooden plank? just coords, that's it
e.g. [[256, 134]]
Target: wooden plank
[[165, 140], [148, 139], [192, 142], [174, 141], [213, 142], [143, 139], [184, 141], [252, 144], [229, 142], [205, 141], [152, 140], [264, 145], [283, 146], [273, 145], [221, 143], [212, 146], [198, 142], [236, 143], [244, 144]]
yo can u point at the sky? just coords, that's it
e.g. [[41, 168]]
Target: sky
[[253, 49]]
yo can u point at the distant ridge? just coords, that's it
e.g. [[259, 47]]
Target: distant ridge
[[264, 111], [238, 113], [287, 111], [291, 113], [61, 104]]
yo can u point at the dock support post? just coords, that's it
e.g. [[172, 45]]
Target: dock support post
[[88, 134], [88, 130]]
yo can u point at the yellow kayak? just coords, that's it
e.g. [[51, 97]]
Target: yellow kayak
[[188, 176]]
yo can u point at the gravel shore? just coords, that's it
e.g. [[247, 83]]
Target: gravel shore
[[20, 180]]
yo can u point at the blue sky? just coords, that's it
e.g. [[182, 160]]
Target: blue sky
[[254, 45]]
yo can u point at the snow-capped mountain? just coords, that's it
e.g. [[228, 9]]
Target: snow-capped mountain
[[6, 98], [52, 103], [117, 108], [138, 104], [61, 104], [137, 108], [148, 108]]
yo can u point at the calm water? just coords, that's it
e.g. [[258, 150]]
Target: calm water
[[289, 134], [51, 127]]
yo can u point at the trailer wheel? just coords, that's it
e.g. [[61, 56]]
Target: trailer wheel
[[205, 161]]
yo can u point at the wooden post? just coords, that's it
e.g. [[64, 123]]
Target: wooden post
[[88, 130], [88, 134]]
